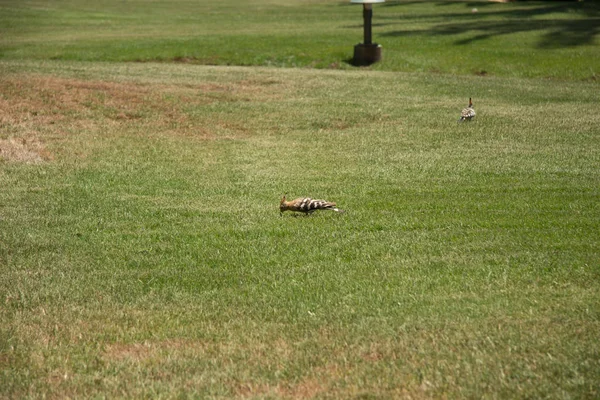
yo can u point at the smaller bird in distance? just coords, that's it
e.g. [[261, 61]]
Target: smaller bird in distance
[[306, 205], [467, 113]]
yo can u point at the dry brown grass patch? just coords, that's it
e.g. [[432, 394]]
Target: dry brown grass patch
[[51, 100], [308, 388], [21, 150], [147, 350], [36, 110]]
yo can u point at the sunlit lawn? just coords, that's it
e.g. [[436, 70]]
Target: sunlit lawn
[[142, 253]]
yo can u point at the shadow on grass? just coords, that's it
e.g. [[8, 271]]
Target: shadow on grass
[[581, 29]]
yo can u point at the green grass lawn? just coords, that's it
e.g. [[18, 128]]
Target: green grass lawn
[[142, 253], [521, 39]]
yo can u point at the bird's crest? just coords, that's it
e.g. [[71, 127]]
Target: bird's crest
[[282, 204]]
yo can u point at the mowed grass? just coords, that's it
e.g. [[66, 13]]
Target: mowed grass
[[522, 39], [142, 253]]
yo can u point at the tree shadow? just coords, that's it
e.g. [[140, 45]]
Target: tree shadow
[[561, 32]]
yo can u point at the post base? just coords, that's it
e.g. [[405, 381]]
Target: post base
[[366, 54]]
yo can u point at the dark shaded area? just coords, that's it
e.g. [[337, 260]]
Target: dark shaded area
[[562, 32]]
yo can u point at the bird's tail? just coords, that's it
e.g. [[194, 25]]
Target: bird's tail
[[461, 119], [329, 205]]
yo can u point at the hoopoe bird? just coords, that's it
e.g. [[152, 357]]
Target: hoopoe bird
[[306, 205], [467, 113]]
